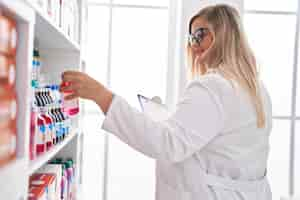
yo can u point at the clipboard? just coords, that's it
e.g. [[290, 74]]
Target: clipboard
[[156, 111]]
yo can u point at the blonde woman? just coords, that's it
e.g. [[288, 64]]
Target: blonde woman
[[215, 145]]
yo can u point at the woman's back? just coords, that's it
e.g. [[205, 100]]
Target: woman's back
[[241, 149], [238, 152]]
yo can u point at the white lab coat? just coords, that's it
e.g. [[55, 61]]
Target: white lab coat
[[209, 149]]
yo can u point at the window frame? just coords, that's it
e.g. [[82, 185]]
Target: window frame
[[111, 5], [292, 118]]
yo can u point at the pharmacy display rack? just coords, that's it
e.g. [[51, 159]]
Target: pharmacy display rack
[[60, 52]]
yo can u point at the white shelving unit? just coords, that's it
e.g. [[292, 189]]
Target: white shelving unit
[[41, 160], [47, 32], [59, 53]]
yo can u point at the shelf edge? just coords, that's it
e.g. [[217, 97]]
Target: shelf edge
[[58, 29], [44, 158]]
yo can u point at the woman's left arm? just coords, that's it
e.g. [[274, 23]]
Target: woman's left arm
[[197, 120]]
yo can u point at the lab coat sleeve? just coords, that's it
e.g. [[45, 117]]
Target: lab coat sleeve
[[199, 117]]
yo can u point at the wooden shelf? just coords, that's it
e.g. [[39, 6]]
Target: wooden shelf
[[49, 35], [44, 158]]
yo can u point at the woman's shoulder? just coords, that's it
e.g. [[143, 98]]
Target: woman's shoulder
[[214, 82], [223, 91]]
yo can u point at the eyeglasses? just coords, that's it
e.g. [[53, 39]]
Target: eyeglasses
[[197, 36]]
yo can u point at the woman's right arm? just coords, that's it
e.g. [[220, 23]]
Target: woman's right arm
[[196, 121]]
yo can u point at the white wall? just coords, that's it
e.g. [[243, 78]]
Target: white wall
[[180, 13]]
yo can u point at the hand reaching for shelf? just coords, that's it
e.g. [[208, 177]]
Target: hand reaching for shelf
[[80, 85]]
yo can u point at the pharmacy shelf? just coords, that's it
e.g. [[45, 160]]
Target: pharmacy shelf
[[59, 52], [44, 158], [49, 35]]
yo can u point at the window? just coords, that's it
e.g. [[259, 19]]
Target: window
[[297, 159], [161, 3], [133, 3], [94, 138], [93, 158], [98, 1], [139, 51], [97, 46], [271, 29], [127, 47], [272, 5], [275, 55], [278, 163]]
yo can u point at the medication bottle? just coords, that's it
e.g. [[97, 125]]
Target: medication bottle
[[32, 147], [73, 186], [40, 135], [64, 183], [36, 67], [70, 177], [49, 130], [70, 107]]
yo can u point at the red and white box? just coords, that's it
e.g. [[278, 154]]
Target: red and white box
[[57, 170], [37, 193], [44, 180]]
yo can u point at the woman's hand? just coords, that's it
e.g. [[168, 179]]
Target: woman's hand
[[83, 86]]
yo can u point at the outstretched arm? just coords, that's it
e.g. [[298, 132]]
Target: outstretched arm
[[197, 120]]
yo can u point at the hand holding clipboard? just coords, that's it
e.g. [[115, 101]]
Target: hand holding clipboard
[[153, 108]]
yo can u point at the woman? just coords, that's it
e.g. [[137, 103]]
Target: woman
[[215, 145]]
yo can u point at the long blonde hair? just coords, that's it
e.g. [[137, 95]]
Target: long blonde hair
[[229, 54]]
